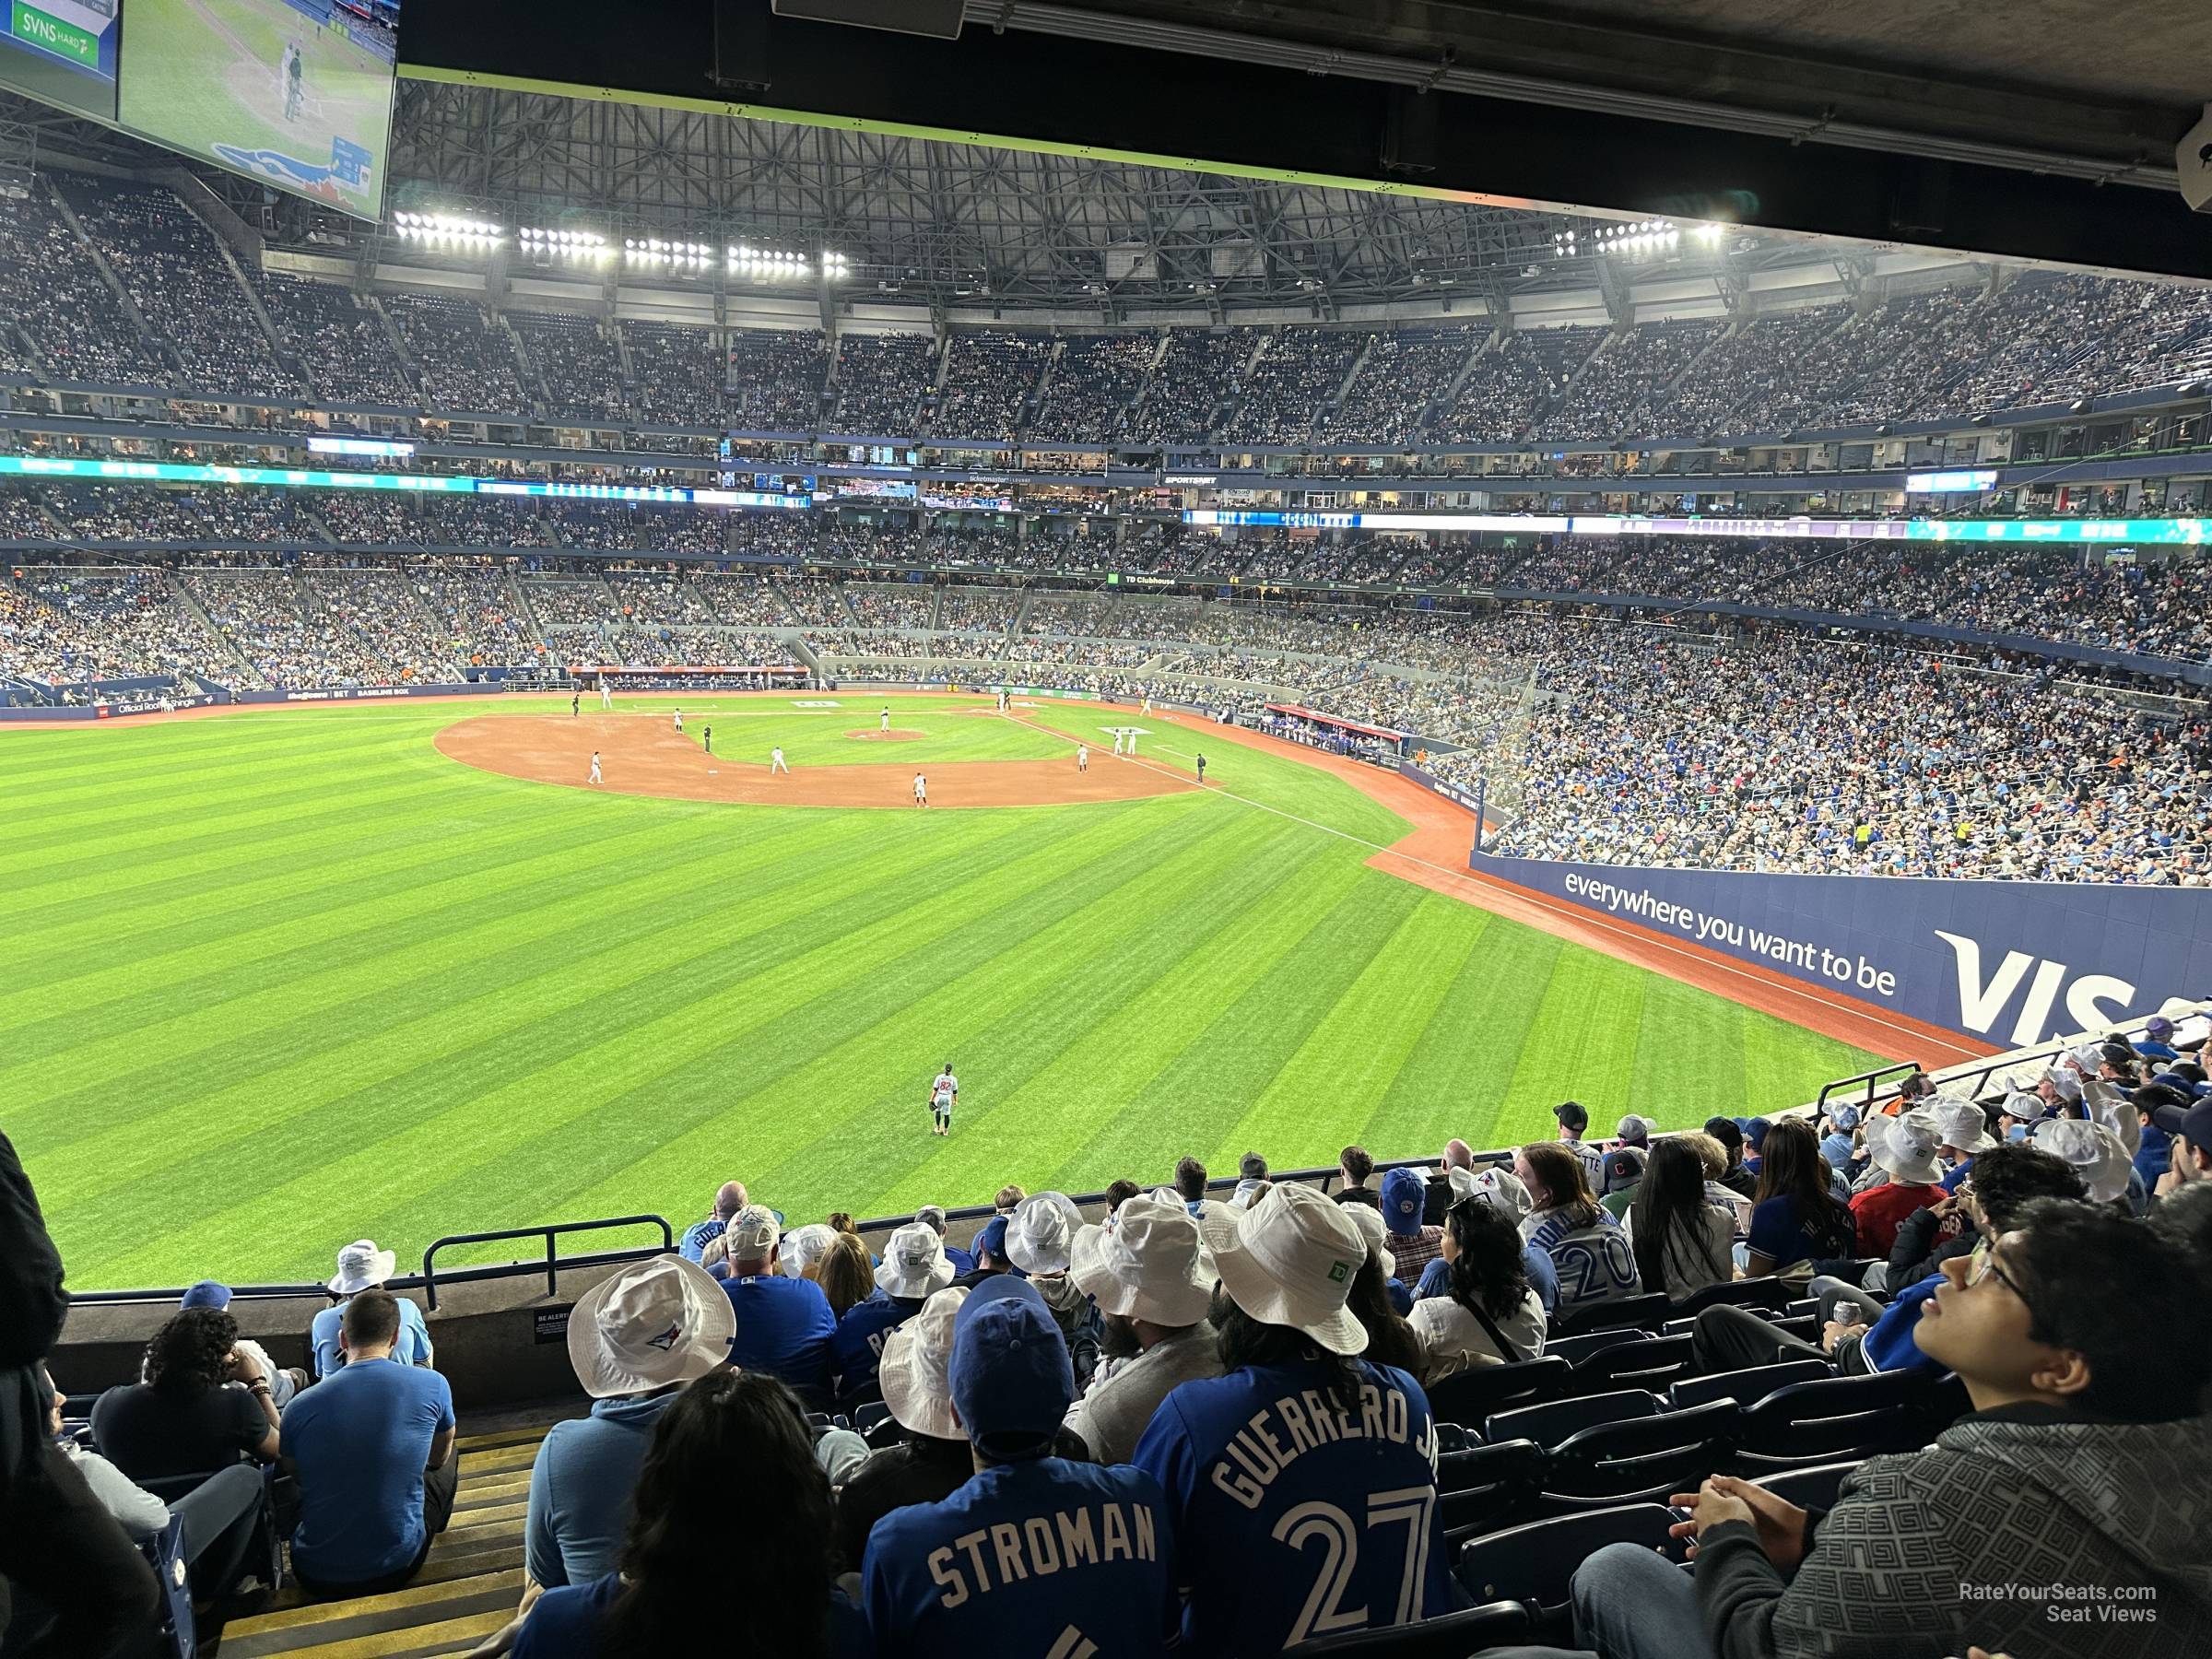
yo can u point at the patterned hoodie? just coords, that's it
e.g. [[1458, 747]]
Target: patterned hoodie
[[2024, 1530]]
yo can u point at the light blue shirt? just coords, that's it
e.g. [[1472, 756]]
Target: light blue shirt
[[412, 1349], [581, 1489]]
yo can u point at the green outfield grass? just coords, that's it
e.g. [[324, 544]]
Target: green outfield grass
[[276, 981]]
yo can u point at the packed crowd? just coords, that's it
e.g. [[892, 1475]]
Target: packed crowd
[[577, 362], [64, 319], [1515, 381], [1097, 376], [464, 356], [1189, 385], [1125, 1419], [1296, 378], [1399, 380], [989, 379], [880, 380], [1616, 390]]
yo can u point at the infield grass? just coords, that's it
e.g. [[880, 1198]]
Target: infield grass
[[282, 980]]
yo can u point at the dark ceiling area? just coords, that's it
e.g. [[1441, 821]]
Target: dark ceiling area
[[2036, 132]]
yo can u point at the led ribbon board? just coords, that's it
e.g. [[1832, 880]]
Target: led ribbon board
[[2189, 532]]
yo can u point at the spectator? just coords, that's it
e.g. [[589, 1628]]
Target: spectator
[[2158, 1040], [1040, 1237], [54, 1533], [362, 1266], [915, 1269], [1149, 1277], [784, 1325], [1354, 1164], [846, 1275], [1681, 1238], [728, 1201], [635, 1339], [372, 1447], [1118, 1193], [1836, 1145], [1009, 1196], [1380, 1299], [932, 1216], [1500, 1188], [1490, 1314], [1965, 1130], [1251, 1174], [1288, 1341], [1574, 1121], [2021, 1114], [1588, 1250], [2190, 1127], [1796, 1220], [934, 1460], [221, 1515], [284, 1381], [1452, 1181], [1634, 1130], [2095, 1152], [799, 1254], [991, 1258], [1736, 1178], [1404, 1199], [1621, 1173], [2085, 1455], [1190, 1181], [1714, 1158], [1903, 1148], [1755, 1136], [183, 1419], [729, 1432], [931, 1591]]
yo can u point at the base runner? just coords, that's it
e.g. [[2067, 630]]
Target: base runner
[[596, 777], [944, 1094]]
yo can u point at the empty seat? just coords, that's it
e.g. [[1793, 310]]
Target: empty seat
[[1534, 1563], [1448, 1636], [1651, 1363], [866, 1416], [1650, 1311], [1643, 1459], [1553, 1421], [1488, 1488], [1809, 1488], [1763, 1292], [1802, 1424], [1575, 1349], [1473, 1397], [1753, 1382]]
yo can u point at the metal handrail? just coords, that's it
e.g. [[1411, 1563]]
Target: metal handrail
[[553, 1265], [1902, 1068]]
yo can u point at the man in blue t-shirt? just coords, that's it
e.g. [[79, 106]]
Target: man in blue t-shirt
[[1302, 1481], [1034, 1555], [362, 1266], [913, 1269], [784, 1325], [372, 1447], [692, 1243]]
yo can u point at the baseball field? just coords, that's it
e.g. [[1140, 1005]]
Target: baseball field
[[281, 979]]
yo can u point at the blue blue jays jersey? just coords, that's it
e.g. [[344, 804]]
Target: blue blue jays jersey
[[857, 1345], [1043, 1559], [1297, 1515]]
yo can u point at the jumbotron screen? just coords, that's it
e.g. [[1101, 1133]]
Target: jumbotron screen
[[63, 53], [297, 93]]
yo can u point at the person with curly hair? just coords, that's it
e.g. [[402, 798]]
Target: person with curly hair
[[729, 1432], [185, 1419]]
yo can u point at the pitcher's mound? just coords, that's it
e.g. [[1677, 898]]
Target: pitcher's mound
[[895, 734]]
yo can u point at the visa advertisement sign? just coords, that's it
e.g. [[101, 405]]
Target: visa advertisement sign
[[2009, 963]]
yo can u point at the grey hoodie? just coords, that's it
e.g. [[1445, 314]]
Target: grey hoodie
[[2025, 1531]]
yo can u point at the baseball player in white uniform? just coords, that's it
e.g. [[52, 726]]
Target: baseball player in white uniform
[[606, 692], [679, 723], [1117, 740], [921, 790], [775, 762], [1082, 757], [883, 721], [1133, 744], [596, 777], [943, 1094]]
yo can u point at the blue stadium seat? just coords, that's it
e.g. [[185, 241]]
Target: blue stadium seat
[[1575, 1349], [1806, 1327], [1753, 1382], [179, 1637], [1487, 1488], [1650, 1311], [1448, 1636], [1534, 1563], [868, 1415], [1809, 1488], [1803, 1423], [1651, 1363], [1553, 1421], [1473, 1397], [1643, 1459], [1763, 1292]]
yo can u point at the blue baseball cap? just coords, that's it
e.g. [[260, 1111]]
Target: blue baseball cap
[[2192, 1123], [1010, 1377], [991, 1240], [207, 1293], [1405, 1197], [1756, 1132]]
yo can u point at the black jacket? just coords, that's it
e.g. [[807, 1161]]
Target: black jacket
[[32, 1306], [1918, 1252]]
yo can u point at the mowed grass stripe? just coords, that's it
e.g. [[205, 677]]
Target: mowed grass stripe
[[669, 1028]]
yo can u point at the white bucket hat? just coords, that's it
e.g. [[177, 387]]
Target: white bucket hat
[[1149, 1265], [912, 1372], [1963, 1124], [1041, 1231], [915, 1263], [2094, 1150], [1905, 1146], [2065, 1080], [805, 1247], [1369, 1221], [361, 1265], [1290, 1259], [649, 1325], [1497, 1186]]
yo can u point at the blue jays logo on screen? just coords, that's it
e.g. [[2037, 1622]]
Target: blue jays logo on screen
[[349, 165]]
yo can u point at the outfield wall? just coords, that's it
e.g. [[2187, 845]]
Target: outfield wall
[[2005, 962]]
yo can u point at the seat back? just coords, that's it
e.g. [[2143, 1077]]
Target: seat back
[[1649, 1312], [1534, 1563], [868, 1415], [1763, 1292], [165, 1553], [1640, 1459], [1651, 1363], [1472, 1396], [1449, 1636], [1488, 1487], [1801, 1424], [1575, 1349], [1555, 1420], [1754, 1382], [1809, 1488]]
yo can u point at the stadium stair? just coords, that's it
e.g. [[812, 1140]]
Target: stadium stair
[[466, 1590]]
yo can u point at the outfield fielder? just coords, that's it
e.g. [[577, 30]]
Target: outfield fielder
[[921, 790], [596, 777], [1082, 757], [606, 692], [775, 762], [943, 1094]]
